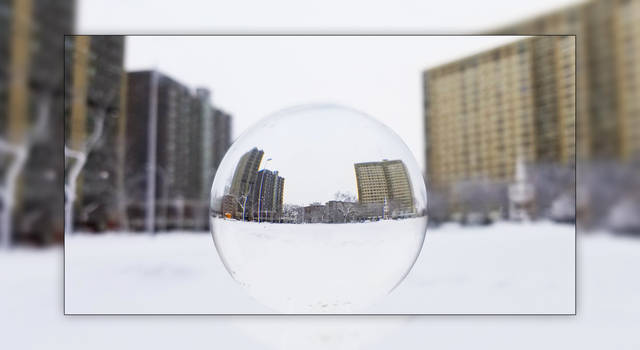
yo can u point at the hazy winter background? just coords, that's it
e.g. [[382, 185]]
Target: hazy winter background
[[31, 292]]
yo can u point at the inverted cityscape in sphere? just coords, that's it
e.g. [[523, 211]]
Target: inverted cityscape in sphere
[[318, 208]]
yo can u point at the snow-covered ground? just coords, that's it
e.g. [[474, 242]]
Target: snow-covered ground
[[506, 268], [608, 304], [319, 268]]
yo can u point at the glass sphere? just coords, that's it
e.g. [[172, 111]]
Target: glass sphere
[[318, 209]]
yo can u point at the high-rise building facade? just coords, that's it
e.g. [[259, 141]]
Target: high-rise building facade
[[267, 196], [626, 28], [244, 177], [222, 129], [93, 121], [171, 152], [32, 94], [254, 194], [608, 89], [484, 112], [207, 139], [387, 183]]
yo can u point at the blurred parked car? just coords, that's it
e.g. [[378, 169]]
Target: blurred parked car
[[563, 209], [477, 219], [624, 217]]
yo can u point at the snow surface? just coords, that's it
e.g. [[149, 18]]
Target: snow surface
[[31, 302], [319, 268], [508, 268]]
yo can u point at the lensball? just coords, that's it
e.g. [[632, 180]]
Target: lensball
[[318, 209]]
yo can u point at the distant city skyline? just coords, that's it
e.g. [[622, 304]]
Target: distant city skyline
[[255, 193]]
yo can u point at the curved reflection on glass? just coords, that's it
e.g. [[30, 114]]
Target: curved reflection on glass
[[318, 209]]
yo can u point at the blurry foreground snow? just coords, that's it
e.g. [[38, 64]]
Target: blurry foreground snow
[[506, 268], [174, 273]]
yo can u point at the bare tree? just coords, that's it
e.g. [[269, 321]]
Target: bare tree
[[80, 158], [242, 200], [293, 213], [345, 197], [19, 152], [345, 204]]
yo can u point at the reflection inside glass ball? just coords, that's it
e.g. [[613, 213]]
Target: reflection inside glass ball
[[318, 209]]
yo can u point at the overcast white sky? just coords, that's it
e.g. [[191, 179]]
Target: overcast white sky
[[252, 77]]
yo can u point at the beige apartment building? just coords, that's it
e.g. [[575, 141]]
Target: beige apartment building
[[608, 82], [486, 111], [386, 182]]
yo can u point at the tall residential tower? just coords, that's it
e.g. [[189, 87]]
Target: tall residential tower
[[387, 183], [484, 112]]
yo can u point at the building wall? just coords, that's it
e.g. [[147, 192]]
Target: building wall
[[484, 112], [185, 152], [386, 182], [206, 112], [267, 196], [372, 184], [244, 177], [626, 41], [137, 155], [607, 74], [260, 192], [222, 135], [278, 197], [32, 89], [399, 184], [314, 213], [96, 69]]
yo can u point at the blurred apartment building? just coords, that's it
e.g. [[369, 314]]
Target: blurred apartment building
[[94, 115], [384, 183], [608, 82], [608, 110], [485, 112], [174, 142], [31, 96], [222, 126]]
